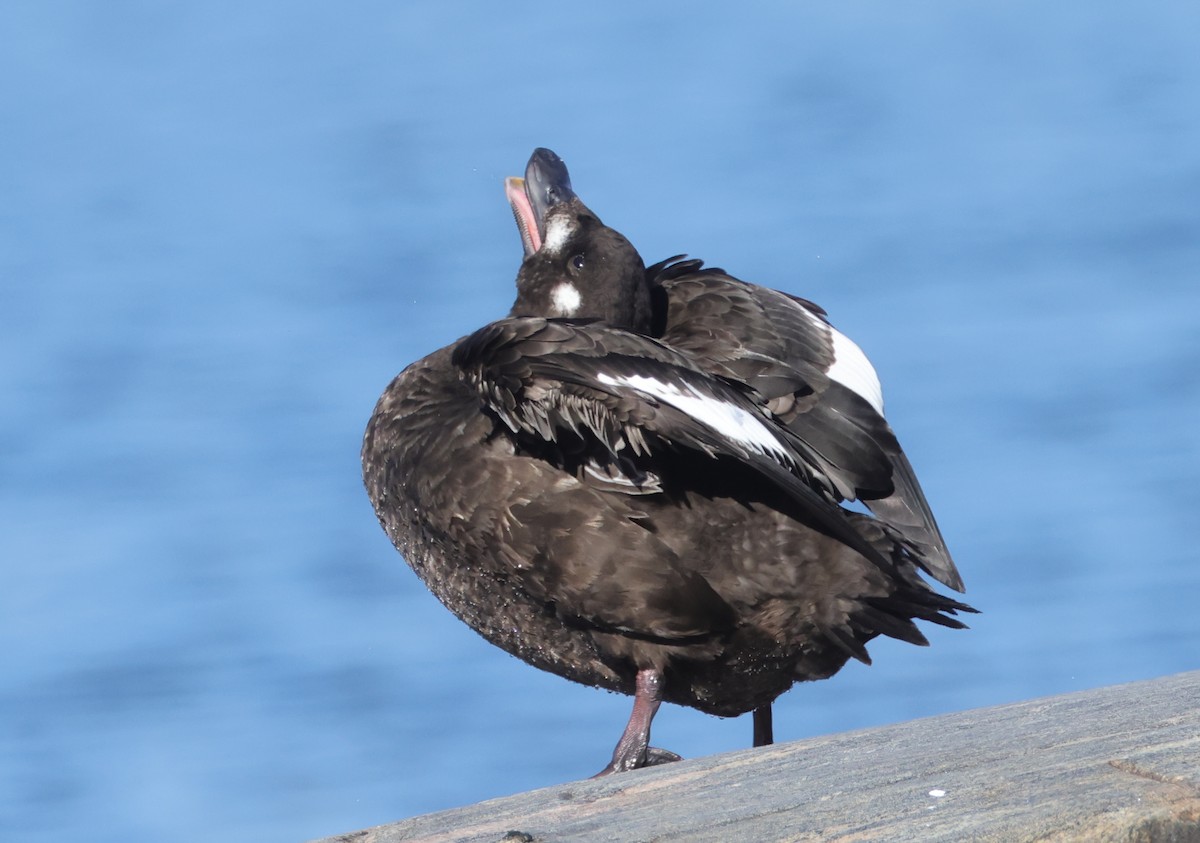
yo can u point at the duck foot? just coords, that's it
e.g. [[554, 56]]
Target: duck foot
[[656, 756], [633, 749]]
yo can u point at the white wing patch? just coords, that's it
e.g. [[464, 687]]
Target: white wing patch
[[730, 420], [851, 368], [558, 231], [566, 299]]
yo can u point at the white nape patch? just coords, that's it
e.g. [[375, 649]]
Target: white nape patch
[[558, 232], [727, 419], [851, 368], [566, 299]]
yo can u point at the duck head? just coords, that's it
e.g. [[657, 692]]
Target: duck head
[[575, 266]]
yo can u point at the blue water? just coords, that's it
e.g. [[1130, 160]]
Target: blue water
[[225, 226]]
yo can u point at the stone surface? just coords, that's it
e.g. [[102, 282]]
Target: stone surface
[[1113, 764]]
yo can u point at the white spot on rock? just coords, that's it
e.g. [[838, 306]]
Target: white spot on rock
[[937, 793]]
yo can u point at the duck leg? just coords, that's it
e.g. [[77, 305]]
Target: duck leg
[[633, 749], [764, 733]]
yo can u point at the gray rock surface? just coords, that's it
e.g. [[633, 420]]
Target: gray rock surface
[[1113, 764]]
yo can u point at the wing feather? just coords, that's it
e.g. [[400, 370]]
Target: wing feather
[[619, 390], [783, 348]]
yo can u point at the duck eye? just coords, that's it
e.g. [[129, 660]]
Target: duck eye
[[578, 262]]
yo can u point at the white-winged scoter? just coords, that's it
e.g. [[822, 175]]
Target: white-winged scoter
[[634, 480]]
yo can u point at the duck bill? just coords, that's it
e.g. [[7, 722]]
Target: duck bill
[[546, 185], [531, 238]]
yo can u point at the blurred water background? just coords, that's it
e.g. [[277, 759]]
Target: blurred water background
[[224, 227]]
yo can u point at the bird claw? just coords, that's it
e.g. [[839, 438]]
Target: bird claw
[[656, 756], [652, 758]]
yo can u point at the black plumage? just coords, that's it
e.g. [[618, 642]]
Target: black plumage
[[635, 480]]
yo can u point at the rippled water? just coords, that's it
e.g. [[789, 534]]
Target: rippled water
[[223, 229]]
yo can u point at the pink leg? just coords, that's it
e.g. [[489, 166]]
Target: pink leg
[[633, 749]]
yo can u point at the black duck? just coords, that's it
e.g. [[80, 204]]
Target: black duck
[[636, 480]]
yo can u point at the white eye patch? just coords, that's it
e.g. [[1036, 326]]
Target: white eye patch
[[558, 232]]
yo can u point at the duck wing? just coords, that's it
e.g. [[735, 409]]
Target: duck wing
[[813, 379], [622, 393]]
